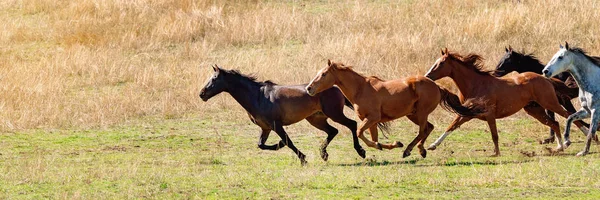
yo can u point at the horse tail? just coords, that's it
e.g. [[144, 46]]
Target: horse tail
[[383, 126], [451, 103]]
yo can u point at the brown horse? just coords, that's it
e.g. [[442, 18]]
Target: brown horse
[[272, 106], [376, 101], [503, 96]]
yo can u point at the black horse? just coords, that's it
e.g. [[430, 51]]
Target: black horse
[[272, 106], [521, 62]]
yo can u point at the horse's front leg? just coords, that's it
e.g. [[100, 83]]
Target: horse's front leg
[[367, 123], [579, 115], [592, 132], [264, 135], [374, 137], [459, 120], [287, 141]]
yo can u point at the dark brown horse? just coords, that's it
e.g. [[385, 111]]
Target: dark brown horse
[[502, 96], [272, 106], [377, 101], [521, 62]]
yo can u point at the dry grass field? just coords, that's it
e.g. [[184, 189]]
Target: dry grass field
[[99, 99]]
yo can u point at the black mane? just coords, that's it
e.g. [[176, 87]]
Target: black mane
[[251, 78]]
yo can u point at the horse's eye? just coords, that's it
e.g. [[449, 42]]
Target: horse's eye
[[323, 75], [560, 57]]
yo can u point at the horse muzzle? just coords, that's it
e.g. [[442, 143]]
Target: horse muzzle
[[547, 73], [309, 91]]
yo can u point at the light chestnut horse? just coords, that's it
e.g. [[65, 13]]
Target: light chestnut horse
[[377, 101], [502, 96]]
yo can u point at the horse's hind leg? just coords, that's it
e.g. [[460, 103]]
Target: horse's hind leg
[[367, 123], [551, 137], [584, 128], [287, 141], [425, 129], [264, 135], [320, 121], [581, 114], [336, 113], [539, 114]]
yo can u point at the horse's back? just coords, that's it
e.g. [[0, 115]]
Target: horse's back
[[292, 103]]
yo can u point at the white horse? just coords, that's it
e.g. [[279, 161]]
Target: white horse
[[586, 72]]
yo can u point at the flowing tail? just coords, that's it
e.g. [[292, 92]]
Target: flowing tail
[[451, 103], [383, 126]]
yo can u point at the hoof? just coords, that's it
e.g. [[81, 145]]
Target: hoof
[[324, 155], [547, 140], [399, 144], [431, 147], [495, 155], [582, 153], [361, 152], [423, 153], [567, 143], [406, 154], [378, 146], [303, 163]]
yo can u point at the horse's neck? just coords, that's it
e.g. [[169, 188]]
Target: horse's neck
[[586, 74], [467, 80], [350, 83], [531, 65], [245, 94]]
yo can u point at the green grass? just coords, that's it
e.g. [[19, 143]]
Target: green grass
[[207, 158]]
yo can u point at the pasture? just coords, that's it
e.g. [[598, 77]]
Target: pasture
[[99, 99]]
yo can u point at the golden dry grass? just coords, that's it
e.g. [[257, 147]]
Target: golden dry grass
[[98, 63]]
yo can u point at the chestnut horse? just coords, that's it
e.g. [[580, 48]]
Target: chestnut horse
[[272, 106], [502, 96], [377, 101]]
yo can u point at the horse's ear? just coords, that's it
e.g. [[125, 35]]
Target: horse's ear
[[510, 48], [446, 50], [442, 50], [216, 68], [505, 49], [328, 62], [561, 46], [566, 45]]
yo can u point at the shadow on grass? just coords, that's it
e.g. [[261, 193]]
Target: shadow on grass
[[447, 164]]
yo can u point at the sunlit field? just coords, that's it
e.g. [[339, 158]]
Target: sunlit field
[[99, 99]]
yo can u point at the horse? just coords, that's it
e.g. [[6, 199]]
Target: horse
[[521, 62], [502, 97], [586, 72], [272, 106], [376, 101]]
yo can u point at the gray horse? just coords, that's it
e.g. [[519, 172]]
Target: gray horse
[[586, 72]]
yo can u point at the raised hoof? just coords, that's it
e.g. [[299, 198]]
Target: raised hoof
[[399, 144], [361, 152], [582, 153], [406, 154], [324, 155], [432, 147], [567, 143], [378, 146], [547, 140], [423, 153]]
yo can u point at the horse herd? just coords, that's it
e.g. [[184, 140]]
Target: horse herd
[[484, 95]]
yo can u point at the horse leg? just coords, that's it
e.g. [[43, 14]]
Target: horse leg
[[539, 114], [337, 115], [366, 123], [320, 121], [593, 128], [459, 120], [264, 135], [374, 134], [579, 115], [492, 124], [549, 139], [569, 106], [425, 129], [287, 141]]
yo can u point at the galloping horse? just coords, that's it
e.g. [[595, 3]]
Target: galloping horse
[[502, 96], [376, 101], [586, 72], [520, 62], [272, 106]]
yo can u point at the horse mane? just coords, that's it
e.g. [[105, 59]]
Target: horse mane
[[249, 77], [529, 56], [341, 66], [472, 61], [592, 59]]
